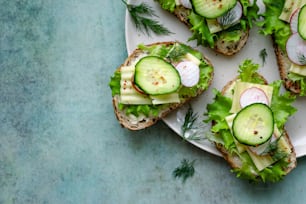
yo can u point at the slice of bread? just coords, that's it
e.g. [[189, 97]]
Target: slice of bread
[[137, 123], [221, 46], [233, 159]]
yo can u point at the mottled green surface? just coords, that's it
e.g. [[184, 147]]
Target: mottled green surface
[[59, 139]]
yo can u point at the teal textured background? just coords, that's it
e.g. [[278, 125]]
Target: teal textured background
[[59, 139]]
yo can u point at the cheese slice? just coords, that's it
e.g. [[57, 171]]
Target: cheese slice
[[213, 25], [128, 94], [165, 98], [289, 7], [298, 69]]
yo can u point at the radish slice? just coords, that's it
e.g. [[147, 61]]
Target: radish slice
[[294, 21], [253, 95], [186, 3], [260, 150], [189, 73], [296, 49], [232, 16]]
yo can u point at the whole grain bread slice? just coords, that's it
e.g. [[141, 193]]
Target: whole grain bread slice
[[221, 46], [233, 159], [137, 123]]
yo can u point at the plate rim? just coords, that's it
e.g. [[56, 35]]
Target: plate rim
[[300, 149]]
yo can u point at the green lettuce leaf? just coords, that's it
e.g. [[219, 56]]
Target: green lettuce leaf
[[200, 31], [248, 72], [146, 110], [216, 113], [114, 83], [156, 50], [250, 12], [272, 25], [300, 80], [272, 173], [281, 105], [280, 30], [230, 35], [168, 5]]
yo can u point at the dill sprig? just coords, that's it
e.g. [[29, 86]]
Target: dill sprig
[[227, 18], [189, 120], [176, 53], [185, 170], [273, 149], [263, 55], [141, 15]]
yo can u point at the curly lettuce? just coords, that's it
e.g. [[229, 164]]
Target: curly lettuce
[[272, 25], [300, 79], [200, 31], [168, 5], [281, 105], [220, 108]]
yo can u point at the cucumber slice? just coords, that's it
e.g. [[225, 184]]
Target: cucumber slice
[[212, 8], [254, 124], [302, 22], [155, 76]]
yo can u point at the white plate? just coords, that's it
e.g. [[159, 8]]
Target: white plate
[[225, 70]]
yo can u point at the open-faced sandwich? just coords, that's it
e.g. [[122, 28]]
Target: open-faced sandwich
[[285, 20], [248, 124], [157, 79], [221, 25]]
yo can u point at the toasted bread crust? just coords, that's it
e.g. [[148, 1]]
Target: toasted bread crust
[[222, 47], [144, 122], [233, 159], [235, 162]]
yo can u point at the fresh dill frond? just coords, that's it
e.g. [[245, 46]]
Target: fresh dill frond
[[263, 55], [272, 147], [274, 151], [227, 19], [142, 18], [185, 170], [189, 120], [176, 53]]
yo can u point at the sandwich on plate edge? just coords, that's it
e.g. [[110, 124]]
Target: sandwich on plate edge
[[157, 79], [285, 20], [248, 120], [221, 25]]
